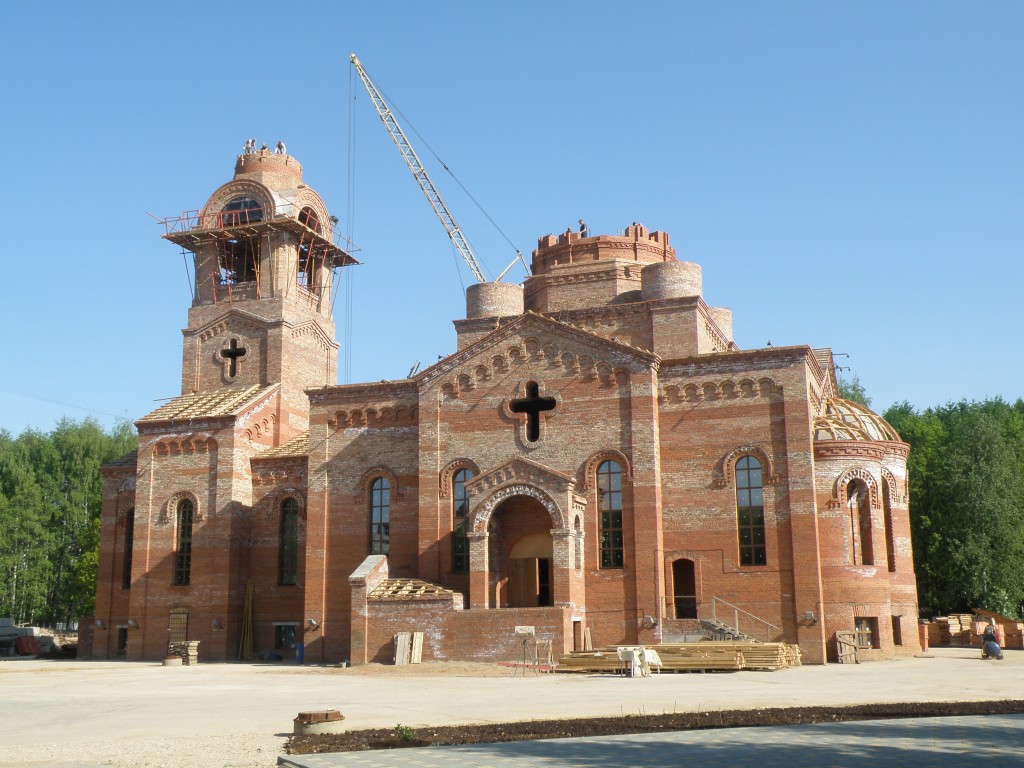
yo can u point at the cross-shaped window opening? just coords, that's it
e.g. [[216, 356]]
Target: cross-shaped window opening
[[232, 353], [532, 405]]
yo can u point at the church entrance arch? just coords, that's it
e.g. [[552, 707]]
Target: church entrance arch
[[520, 549]]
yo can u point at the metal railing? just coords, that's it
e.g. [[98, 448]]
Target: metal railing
[[766, 631]]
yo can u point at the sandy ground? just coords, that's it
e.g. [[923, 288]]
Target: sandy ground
[[77, 714]]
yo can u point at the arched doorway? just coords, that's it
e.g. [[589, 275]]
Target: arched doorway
[[684, 588], [519, 539]]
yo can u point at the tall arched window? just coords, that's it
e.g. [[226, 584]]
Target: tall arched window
[[609, 494], [858, 498], [129, 542], [890, 541], [288, 551], [183, 551], [380, 516], [240, 255], [460, 511], [750, 512]]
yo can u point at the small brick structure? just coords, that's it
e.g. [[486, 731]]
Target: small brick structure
[[598, 459], [319, 721]]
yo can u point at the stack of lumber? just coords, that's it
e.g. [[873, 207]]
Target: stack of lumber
[[692, 657], [793, 657], [601, 660], [713, 656], [188, 651]]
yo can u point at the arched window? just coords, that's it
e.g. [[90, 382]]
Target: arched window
[[311, 258], [750, 512], [288, 548], [890, 541], [183, 551], [308, 217], [858, 498], [129, 542], [609, 494], [241, 210], [460, 511], [239, 255], [380, 516]]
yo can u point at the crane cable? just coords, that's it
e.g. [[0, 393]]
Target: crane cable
[[350, 217], [406, 121]]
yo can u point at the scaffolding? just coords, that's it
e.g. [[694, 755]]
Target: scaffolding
[[236, 235]]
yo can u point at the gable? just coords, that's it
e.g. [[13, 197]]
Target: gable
[[314, 331], [234, 319], [520, 470], [542, 341]]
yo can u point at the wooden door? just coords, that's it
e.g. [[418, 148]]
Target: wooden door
[[523, 582]]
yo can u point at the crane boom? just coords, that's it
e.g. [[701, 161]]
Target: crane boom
[[420, 173]]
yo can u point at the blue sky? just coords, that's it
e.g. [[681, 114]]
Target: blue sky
[[848, 174]]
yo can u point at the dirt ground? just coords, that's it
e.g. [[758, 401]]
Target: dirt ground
[[382, 738]]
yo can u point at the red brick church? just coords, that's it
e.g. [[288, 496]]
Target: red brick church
[[598, 460]]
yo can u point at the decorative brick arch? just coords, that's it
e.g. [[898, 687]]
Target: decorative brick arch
[[125, 510], [855, 473], [894, 488], [363, 487], [589, 469], [171, 507], [307, 198], [448, 473], [276, 498], [727, 467], [238, 188], [481, 513]]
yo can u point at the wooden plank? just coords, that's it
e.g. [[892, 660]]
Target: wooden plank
[[403, 643], [416, 652]]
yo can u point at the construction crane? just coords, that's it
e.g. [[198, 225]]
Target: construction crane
[[420, 174]]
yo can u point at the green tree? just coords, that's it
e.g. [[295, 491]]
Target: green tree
[[966, 504], [50, 500], [851, 389]]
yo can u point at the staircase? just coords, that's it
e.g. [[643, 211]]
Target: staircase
[[754, 628], [714, 629]]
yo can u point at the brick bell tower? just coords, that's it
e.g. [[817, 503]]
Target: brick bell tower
[[264, 254]]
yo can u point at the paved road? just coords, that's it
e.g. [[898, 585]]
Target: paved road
[[939, 742]]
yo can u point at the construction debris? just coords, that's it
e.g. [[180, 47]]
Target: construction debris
[[188, 651]]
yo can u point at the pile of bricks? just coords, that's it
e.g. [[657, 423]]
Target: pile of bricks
[[1009, 632], [954, 629], [188, 651]]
